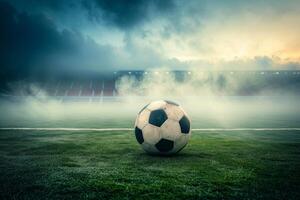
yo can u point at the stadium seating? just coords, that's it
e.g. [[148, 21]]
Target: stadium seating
[[85, 87]]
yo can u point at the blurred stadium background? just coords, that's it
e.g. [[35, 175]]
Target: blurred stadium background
[[103, 87]]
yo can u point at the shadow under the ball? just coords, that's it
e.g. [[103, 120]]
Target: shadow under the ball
[[179, 155]]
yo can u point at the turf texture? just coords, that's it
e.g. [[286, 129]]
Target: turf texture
[[111, 165]]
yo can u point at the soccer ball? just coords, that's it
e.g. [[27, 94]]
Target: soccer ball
[[162, 127]]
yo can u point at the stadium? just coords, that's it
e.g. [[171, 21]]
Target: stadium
[[134, 99], [104, 86]]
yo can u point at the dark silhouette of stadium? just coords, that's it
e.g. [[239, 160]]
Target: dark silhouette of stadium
[[98, 87]]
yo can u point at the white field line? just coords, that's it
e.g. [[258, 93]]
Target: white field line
[[67, 129], [246, 129], [130, 129]]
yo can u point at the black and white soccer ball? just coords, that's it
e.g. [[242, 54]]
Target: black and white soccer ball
[[162, 127]]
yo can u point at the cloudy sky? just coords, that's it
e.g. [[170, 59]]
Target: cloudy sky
[[99, 35]]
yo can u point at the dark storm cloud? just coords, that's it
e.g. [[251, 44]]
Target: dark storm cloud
[[31, 43], [44, 5], [43, 36], [25, 38], [126, 13]]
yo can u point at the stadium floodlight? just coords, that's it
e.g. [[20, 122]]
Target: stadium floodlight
[[162, 127]]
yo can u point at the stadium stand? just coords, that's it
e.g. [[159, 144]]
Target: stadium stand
[[98, 87]]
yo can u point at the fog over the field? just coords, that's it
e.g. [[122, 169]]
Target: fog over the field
[[197, 95], [208, 112], [165, 83]]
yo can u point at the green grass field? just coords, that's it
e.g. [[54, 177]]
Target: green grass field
[[111, 165]]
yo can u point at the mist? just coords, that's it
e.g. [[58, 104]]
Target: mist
[[201, 95]]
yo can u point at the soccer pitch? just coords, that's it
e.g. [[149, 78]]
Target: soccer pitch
[[110, 164], [75, 157]]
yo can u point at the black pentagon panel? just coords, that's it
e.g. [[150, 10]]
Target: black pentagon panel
[[164, 145], [143, 108], [158, 117], [184, 125], [172, 102], [139, 135]]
